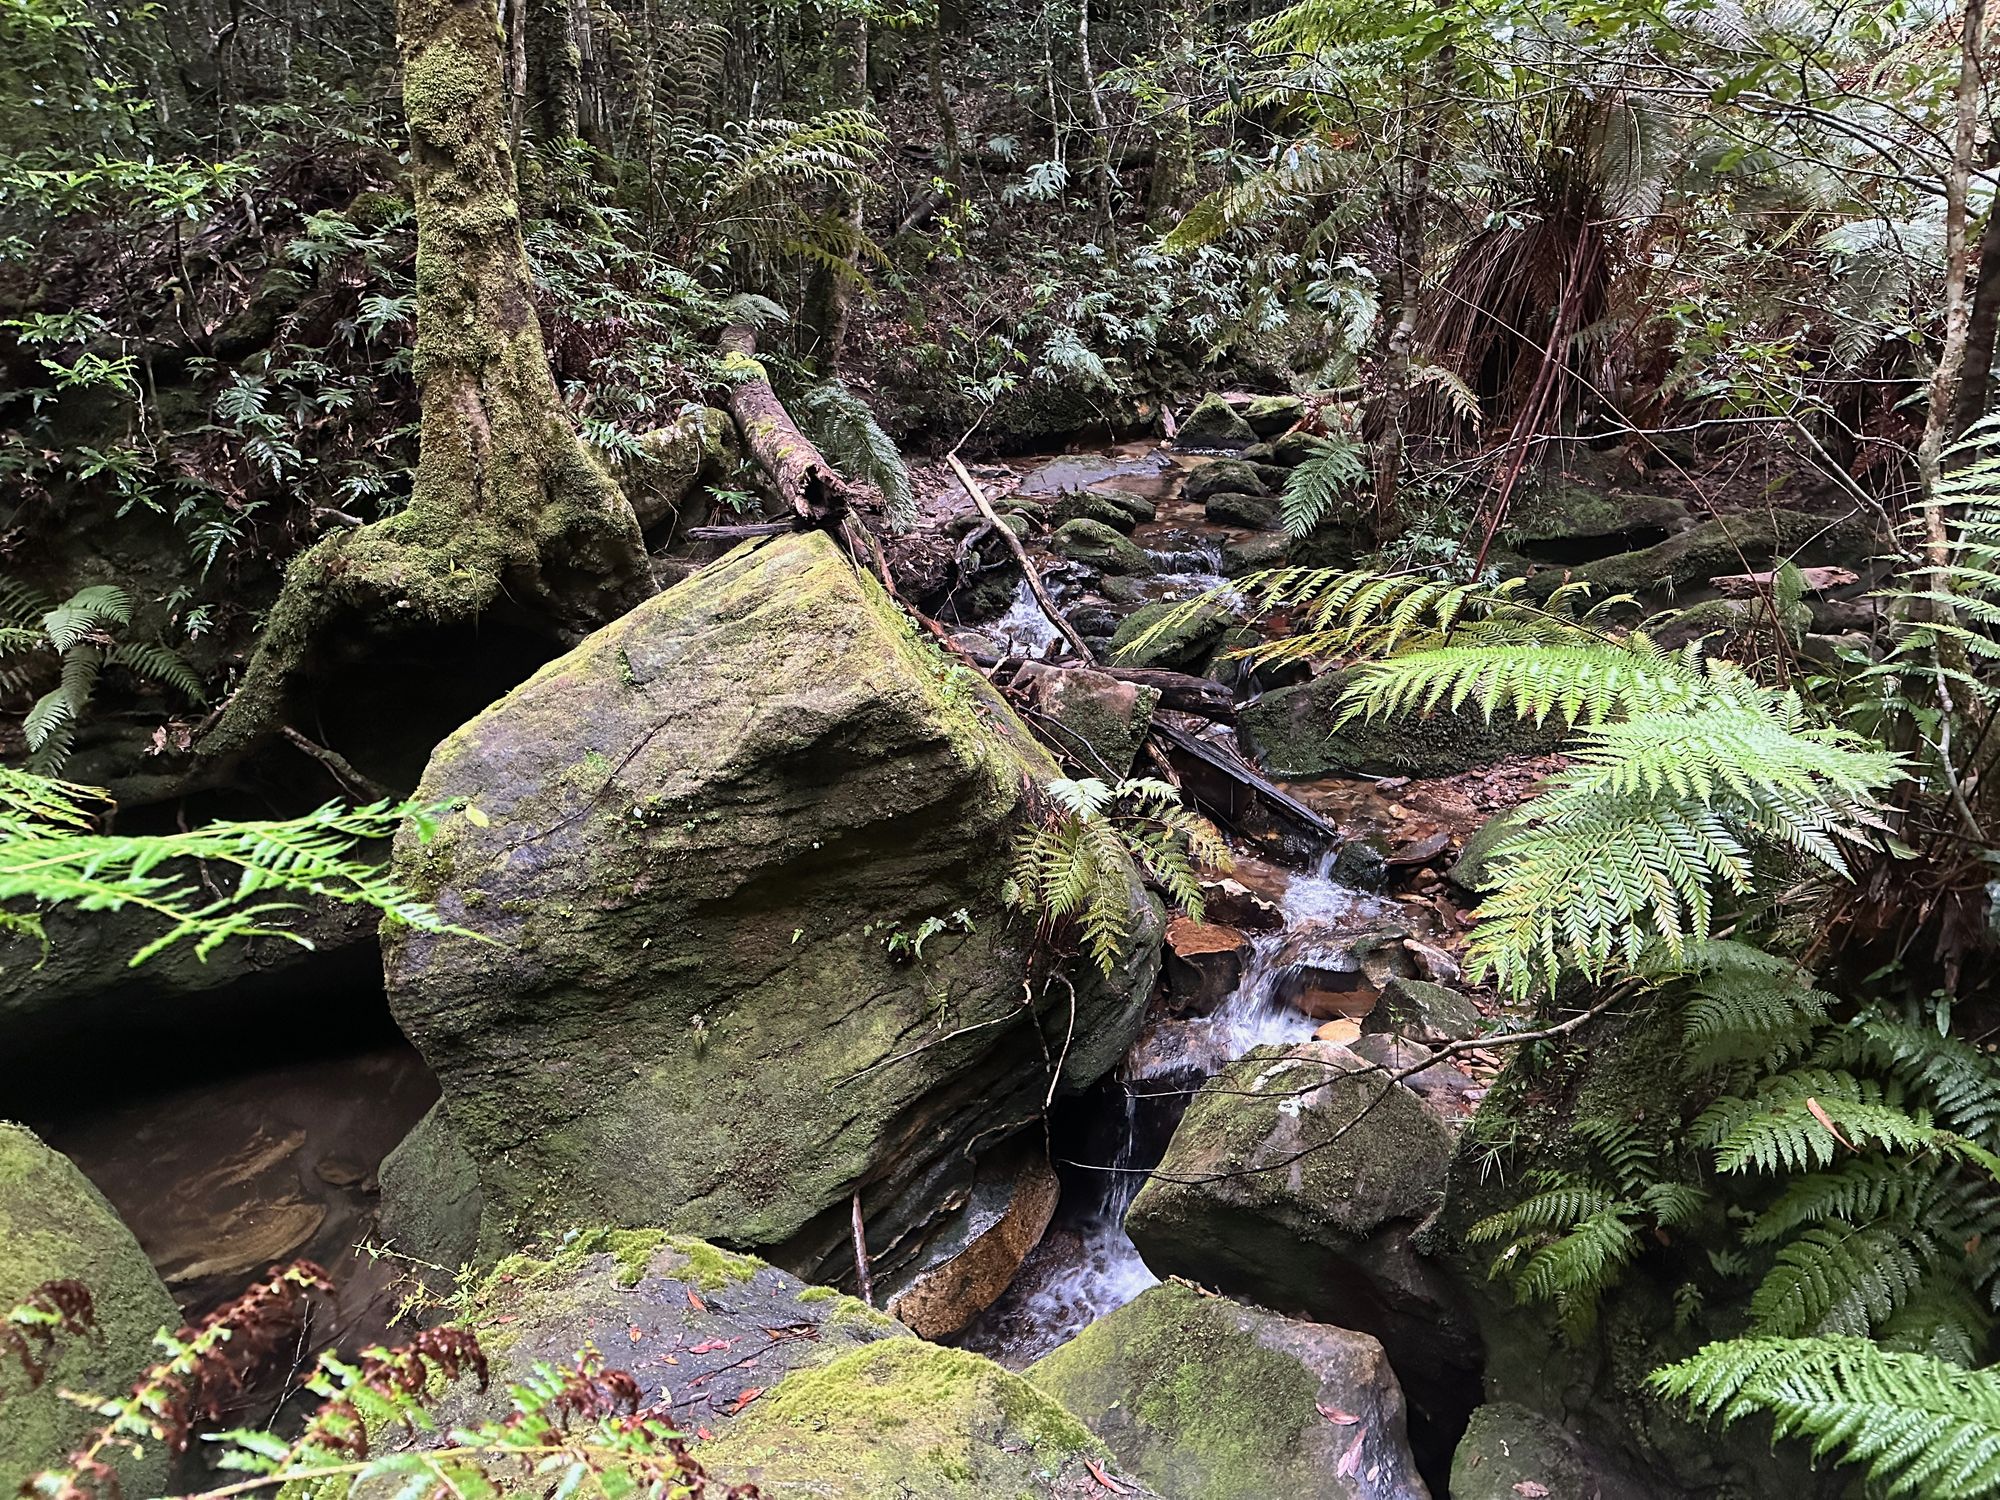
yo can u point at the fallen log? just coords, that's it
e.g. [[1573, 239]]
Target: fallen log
[[1203, 697], [740, 532], [800, 473], [1227, 788]]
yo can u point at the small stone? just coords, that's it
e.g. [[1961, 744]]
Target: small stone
[[1425, 1012]]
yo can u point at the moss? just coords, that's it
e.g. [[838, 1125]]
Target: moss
[[1095, 543], [904, 1418], [812, 1294], [852, 1312], [1715, 547], [1186, 645]]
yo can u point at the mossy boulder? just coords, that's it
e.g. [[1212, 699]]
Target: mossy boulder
[[663, 477], [1083, 505], [1206, 1399], [1717, 546], [1424, 1012], [694, 1323], [1297, 731], [1098, 721], [1296, 1180], [1291, 449], [1098, 545], [1473, 869], [1254, 554], [1186, 643], [1565, 521], [1225, 475], [55, 1226], [1214, 426], [1268, 416], [1509, 1451], [1247, 512], [685, 850], [911, 1420]]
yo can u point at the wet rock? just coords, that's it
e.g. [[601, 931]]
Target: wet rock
[[1250, 512], [1204, 964], [54, 1226], [1331, 987], [965, 1270], [1254, 554], [698, 834], [1362, 864], [1440, 1085], [1186, 645], [1509, 1451], [908, 1419], [1224, 475], [1473, 867], [1205, 1399], [1425, 1012], [1297, 732], [1098, 545], [1212, 426], [1234, 904], [1296, 1181], [1085, 506], [1294, 448], [1099, 721], [1268, 416]]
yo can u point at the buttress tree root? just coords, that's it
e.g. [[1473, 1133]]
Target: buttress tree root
[[508, 501]]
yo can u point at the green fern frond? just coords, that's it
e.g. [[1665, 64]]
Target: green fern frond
[[89, 611], [1316, 487], [1915, 1425], [847, 432], [159, 664], [1835, 1279]]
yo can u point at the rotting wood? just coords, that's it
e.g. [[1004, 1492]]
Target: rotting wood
[[1245, 782], [801, 474], [1028, 569], [1202, 696]]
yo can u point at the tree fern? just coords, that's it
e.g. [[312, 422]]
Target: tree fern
[[1916, 1425]]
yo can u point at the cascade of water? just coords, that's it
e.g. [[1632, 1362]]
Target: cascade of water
[[1024, 630]]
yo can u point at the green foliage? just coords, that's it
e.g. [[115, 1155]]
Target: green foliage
[[1316, 488], [50, 857], [1074, 869], [847, 432], [78, 639], [1915, 1424]]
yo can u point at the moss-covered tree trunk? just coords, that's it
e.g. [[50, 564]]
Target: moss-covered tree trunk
[[507, 497]]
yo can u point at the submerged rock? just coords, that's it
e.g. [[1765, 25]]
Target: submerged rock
[[54, 1226], [697, 838], [1298, 732], [1098, 545], [1206, 1399], [1296, 1180], [910, 1420], [1214, 425]]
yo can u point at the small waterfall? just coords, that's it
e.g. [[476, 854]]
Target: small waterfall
[[1024, 630]]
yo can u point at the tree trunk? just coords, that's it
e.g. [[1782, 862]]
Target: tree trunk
[[507, 497], [829, 296], [1101, 127], [1982, 326], [948, 148], [812, 487], [554, 73]]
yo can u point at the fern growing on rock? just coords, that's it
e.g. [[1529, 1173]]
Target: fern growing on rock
[[1074, 869], [78, 639]]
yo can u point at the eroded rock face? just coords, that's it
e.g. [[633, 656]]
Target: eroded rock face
[[975, 1258], [1296, 1181], [689, 845], [1206, 1399], [54, 1226], [1509, 1451]]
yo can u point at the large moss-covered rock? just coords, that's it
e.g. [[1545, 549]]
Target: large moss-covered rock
[[1574, 522], [1248, 512], [1226, 475], [1298, 731], [910, 1420], [1296, 1180], [663, 474], [54, 1226], [1215, 426], [1096, 720], [1720, 545], [685, 851], [1171, 635], [1206, 1399], [1093, 542]]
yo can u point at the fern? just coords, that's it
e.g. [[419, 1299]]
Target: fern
[[1917, 1425], [1836, 1279], [1075, 870], [846, 430], [1315, 488]]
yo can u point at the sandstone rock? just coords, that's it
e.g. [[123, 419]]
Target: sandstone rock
[[54, 1226], [1509, 1451], [1473, 867], [1291, 449], [909, 1420], [1204, 964], [967, 1267], [1250, 512], [1098, 545], [1099, 721], [1205, 1399], [697, 835], [1268, 416], [1226, 475], [1297, 732], [1229, 901], [1568, 522], [1183, 646], [1440, 1085], [1214, 426], [1083, 505], [1295, 1181], [1425, 1012], [1715, 546]]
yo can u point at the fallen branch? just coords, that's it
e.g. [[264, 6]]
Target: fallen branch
[[1028, 571], [863, 1274], [342, 769], [1202, 696], [800, 473], [1287, 808]]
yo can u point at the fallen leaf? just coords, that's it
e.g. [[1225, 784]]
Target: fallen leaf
[[1532, 1488], [704, 1434], [709, 1346], [668, 1359], [1097, 1473], [1350, 1462], [1819, 1113], [632, 1333], [695, 1302], [743, 1398], [1336, 1416]]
